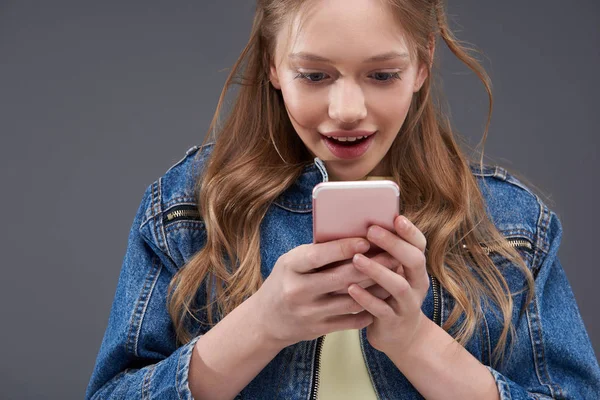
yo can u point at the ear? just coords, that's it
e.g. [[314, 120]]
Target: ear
[[424, 70], [273, 77]]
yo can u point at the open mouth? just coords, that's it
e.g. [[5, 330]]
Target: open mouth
[[347, 141], [348, 147]]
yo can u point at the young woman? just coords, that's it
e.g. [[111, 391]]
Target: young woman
[[222, 294]]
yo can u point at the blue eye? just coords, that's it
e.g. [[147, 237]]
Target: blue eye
[[390, 75], [307, 76], [314, 78]]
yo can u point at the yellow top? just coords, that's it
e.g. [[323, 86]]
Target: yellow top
[[377, 178], [343, 372]]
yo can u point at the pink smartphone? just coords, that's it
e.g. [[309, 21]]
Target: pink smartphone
[[347, 209]]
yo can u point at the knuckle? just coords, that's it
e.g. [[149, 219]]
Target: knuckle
[[364, 320], [312, 256], [303, 313], [349, 247], [286, 260], [352, 307], [401, 290], [420, 259], [345, 247], [389, 312], [335, 278], [291, 293]]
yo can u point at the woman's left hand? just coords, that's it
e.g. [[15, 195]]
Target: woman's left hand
[[398, 318]]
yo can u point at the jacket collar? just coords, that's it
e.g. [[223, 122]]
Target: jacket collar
[[298, 197]]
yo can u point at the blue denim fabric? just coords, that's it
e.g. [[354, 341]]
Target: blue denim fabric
[[552, 356]]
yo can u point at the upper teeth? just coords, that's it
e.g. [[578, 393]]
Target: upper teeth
[[344, 139]]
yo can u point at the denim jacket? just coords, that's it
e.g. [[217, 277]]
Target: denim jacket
[[552, 355]]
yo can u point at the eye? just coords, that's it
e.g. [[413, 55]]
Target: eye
[[314, 78], [390, 75], [311, 77]]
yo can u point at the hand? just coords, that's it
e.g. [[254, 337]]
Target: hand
[[398, 318], [297, 301], [387, 261]]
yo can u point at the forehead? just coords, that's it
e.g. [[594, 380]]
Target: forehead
[[344, 30]]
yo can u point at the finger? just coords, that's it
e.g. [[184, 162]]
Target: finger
[[409, 232], [411, 258], [350, 321], [377, 307], [372, 288], [310, 256], [336, 279], [378, 291], [393, 283], [336, 304]]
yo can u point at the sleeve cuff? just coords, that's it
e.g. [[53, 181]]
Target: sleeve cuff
[[501, 383], [183, 368]]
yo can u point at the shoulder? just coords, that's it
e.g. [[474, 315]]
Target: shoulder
[[516, 210], [172, 224], [179, 181]]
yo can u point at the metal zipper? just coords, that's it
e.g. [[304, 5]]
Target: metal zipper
[[317, 367], [435, 285], [512, 242], [435, 289], [182, 212], [362, 348], [516, 243]]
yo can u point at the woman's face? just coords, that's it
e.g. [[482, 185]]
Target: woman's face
[[346, 70]]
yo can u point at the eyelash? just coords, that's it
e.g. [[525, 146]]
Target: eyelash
[[305, 76]]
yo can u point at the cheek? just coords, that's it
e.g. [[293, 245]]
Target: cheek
[[304, 107], [390, 108]]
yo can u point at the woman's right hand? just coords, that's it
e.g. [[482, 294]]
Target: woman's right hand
[[299, 302]]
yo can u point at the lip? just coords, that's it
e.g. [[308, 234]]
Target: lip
[[348, 133], [348, 153]]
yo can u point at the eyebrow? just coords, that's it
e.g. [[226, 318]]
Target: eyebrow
[[378, 58]]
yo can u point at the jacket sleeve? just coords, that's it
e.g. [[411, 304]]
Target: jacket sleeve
[[138, 357], [552, 356]]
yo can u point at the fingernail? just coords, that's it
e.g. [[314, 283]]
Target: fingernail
[[375, 232], [362, 246], [360, 260], [403, 223]]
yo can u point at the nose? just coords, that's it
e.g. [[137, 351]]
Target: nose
[[347, 102]]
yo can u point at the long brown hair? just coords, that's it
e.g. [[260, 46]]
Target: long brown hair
[[257, 155]]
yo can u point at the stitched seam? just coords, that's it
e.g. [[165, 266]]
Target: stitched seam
[[180, 375], [111, 383], [146, 383], [159, 222], [177, 376], [538, 250], [304, 211], [535, 330], [140, 309], [487, 334], [155, 212], [185, 225], [180, 201], [288, 203]]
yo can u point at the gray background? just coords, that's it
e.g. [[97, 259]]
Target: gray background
[[98, 99]]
